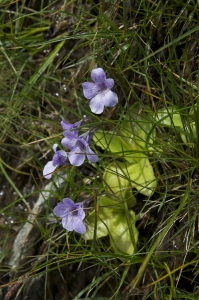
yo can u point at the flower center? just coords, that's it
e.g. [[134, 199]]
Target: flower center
[[102, 86], [74, 212]]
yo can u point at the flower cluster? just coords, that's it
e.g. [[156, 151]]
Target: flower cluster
[[100, 94], [79, 147]]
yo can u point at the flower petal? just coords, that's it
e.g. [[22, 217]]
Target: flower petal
[[59, 211], [63, 208], [71, 135], [55, 147], [90, 89], [81, 212], [76, 157], [68, 203], [67, 126], [79, 226], [98, 76], [110, 98], [70, 139], [59, 158], [92, 157], [67, 222], [97, 104], [49, 169], [109, 83], [87, 136]]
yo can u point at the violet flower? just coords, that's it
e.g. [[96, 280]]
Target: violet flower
[[100, 91], [72, 215], [79, 147], [59, 159]]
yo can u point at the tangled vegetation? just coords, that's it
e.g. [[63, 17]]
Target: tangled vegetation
[[137, 192]]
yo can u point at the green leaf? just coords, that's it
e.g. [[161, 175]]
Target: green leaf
[[140, 135], [119, 177], [112, 220], [142, 177], [107, 208], [114, 143], [101, 227], [133, 141], [116, 182], [120, 236], [169, 116]]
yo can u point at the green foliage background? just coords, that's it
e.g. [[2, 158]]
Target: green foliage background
[[150, 48]]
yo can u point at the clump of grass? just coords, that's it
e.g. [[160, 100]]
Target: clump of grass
[[150, 48]]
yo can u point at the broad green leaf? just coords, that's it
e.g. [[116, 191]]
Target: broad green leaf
[[120, 236], [142, 177], [133, 141], [101, 227], [112, 220], [116, 182], [114, 143], [140, 135], [168, 116], [107, 209], [118, 229], [119, 177]]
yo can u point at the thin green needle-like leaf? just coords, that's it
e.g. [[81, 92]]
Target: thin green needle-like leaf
[[42, 68], [173, 42], [142, 268]]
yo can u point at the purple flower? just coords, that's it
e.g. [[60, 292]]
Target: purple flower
[[59, 159], [67, 126], [99, 91], [72, 215], [79, 147]]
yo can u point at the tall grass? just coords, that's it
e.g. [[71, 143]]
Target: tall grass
[[150, 49]]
